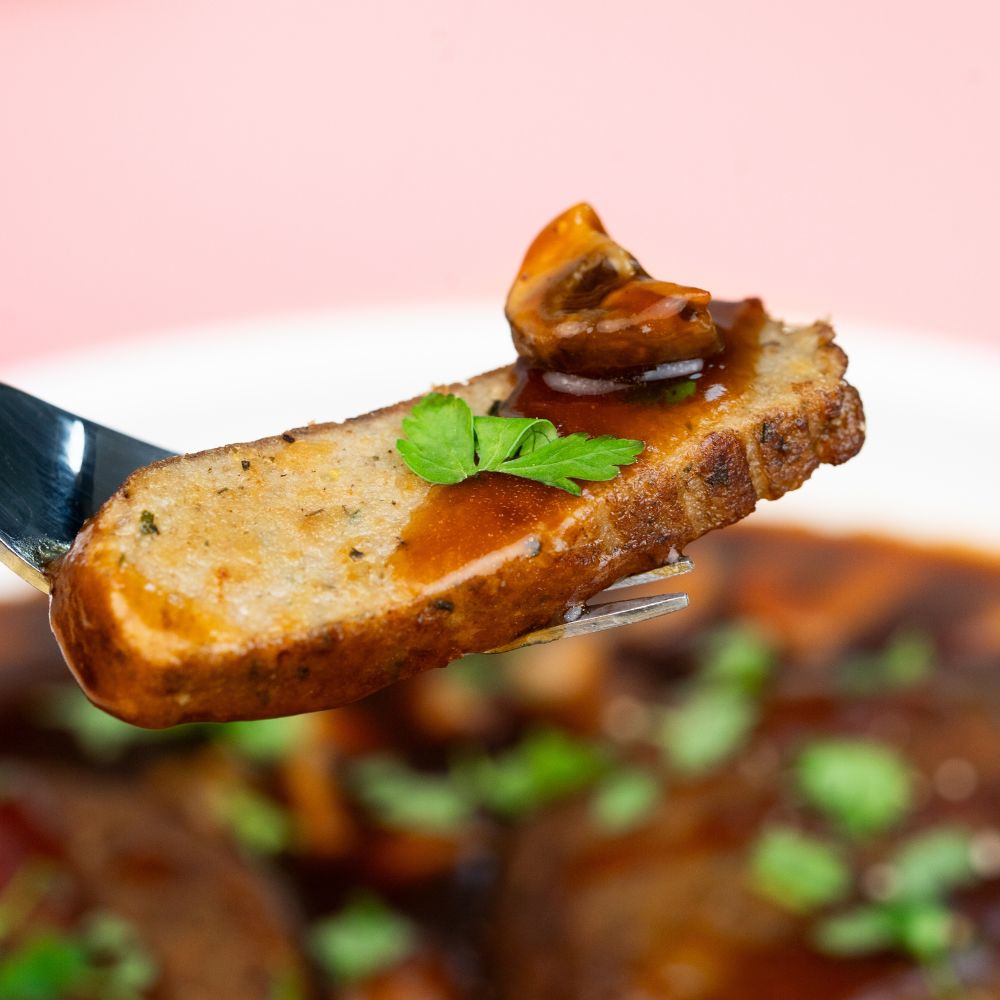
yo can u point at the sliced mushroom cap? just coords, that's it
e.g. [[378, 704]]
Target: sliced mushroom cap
[[583, 304]]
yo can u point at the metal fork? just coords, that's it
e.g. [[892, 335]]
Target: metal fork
[[56, 469]]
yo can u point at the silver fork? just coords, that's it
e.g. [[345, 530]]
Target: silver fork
[[56, 469]]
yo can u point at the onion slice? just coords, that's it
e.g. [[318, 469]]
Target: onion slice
[[580, 385], [672, 369], [577, 385]]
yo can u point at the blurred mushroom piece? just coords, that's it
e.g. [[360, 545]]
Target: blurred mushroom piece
[[582, 304]]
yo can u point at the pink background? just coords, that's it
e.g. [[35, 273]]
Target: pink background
[[166, 162]]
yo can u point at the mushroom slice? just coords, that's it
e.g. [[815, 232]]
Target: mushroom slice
[[583, 304]]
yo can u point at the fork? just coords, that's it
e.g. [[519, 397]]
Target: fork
[[57, 469]]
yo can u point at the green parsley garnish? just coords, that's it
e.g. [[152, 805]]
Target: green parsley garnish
[[707, 728], [104, 960], [906, 660], [933, 863], [100, 736], [264, 741], [122, 967], [720, 711], [797, 871], [445, 443], [861, 931], [861, 786], [544, 767], [738, 656], [147, 523], [363, 938], [913, 919], [50, 965], [258, 823], [403, 799], [678, 391], [924, 929], [624, 799]]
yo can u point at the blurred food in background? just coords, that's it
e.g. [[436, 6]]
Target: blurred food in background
[[790, 790]]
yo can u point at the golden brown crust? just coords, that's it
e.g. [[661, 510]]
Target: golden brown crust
[[802, 414]]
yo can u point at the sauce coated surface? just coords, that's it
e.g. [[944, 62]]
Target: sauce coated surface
[[457, 525], [652, 413]]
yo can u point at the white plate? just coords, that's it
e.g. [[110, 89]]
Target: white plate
[[928, 470]]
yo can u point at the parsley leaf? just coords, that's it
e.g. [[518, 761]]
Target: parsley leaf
[[547, 765], [48, 966], [363, 938], [906, 661], [933, 863], [258, 823], [861, 931], [738, 656], [444, 439], [264, 741], [863, 787], [923, 929], [440, 442], [624, 799], [498, 438], [711, 725], [576, 456], [678, 391], [404, 799], [797, 871]]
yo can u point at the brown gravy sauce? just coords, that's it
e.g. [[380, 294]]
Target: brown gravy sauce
[[457, 525]]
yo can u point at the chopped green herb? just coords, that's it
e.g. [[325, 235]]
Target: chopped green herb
[[122, 966], [861, 786], [499, 438], [404, 799], [625, 798], [799, 872], [147, 523], [926, 930], [861, 931], [710, 726], [257, 822], [906, 661], [440, 444], [265, 740], [443, 440], [678, 391], [739, 656], [363, 938], [545, 766], [923, 929], [576, 456], [100, 736], [933, 863], [50, 965]]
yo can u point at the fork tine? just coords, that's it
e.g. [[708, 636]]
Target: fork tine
[[678, 568], [612, 614], [601, 617]]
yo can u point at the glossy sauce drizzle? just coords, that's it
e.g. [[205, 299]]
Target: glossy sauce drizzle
[[459, 524]]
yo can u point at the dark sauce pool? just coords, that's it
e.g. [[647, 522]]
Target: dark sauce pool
[[542, 902]]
